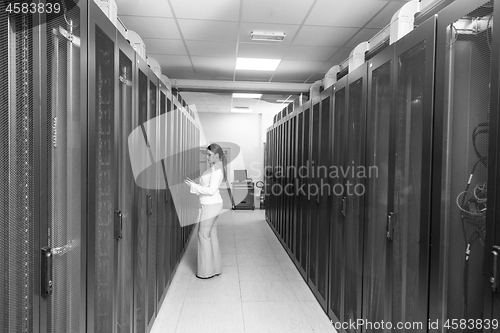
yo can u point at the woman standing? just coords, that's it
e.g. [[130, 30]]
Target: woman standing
[[209, 257]]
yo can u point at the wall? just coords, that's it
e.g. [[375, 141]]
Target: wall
[[248, 131]]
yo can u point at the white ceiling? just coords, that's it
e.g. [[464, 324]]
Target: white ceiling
[[201, 39]]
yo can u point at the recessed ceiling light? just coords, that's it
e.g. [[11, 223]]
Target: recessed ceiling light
[[267, 36], [257, 64], [245, 95]]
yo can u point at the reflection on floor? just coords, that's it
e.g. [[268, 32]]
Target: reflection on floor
[[259, 291]]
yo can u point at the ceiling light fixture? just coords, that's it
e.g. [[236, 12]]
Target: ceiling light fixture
[[241, 109], [267, 36], [246, 95], [257, 64]]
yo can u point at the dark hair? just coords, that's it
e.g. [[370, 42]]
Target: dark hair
[[216, 149]]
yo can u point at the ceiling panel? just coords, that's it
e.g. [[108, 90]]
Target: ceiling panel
[[344, 13], [200, 40], [209, 30], [243, 75], [158, 8], [213, 74], [172, 60], [316, 76], [363, 35], [383, 18], [324, 36], [177, 72], [214, 62], [211, 49], [291, 66], [152, 27], [339, 56], [291, 77], [213, 9], [310, 53], [256, 50], [165, 46], [275, 11]]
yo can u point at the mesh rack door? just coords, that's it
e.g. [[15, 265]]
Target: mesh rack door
[[17, 216], [64, 167]]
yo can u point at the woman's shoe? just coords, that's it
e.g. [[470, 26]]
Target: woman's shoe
[[204, 278]]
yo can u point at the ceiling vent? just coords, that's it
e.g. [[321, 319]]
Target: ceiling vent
[[267, 36]]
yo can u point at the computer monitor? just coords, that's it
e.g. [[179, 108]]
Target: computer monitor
[[240, 175]]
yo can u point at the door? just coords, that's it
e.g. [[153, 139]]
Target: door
[[465, 145], [152, 200], [356, 172], [300, 197], [127, 121], [314, 195], [337, 201], [143, 202], [409, 171], [102, 174], [380, 90], [323, 169]]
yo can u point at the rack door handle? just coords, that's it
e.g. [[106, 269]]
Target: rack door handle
[[149, 207], [495, 280], [119, 225], [390, 226], [344, 206], [47, 283]]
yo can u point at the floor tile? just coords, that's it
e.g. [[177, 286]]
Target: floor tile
[[259, 291]]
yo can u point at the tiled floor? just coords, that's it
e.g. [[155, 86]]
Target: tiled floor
[[259, 291]]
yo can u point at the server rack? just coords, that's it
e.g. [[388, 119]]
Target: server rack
[[145, 208], [464, 128], [102, 173], [379, 110], [492, 296], [18, 122], [292, 178], [336, 278], [152, 201], [319, 195], [71, 206], [127, 121], [409, 172], [163, 260], [30, 221], [306, 239], [64, 168], [301, 199]]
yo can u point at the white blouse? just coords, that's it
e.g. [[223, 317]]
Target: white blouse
[[208, 189]]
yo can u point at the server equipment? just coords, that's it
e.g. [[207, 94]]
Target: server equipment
[[242, 194], [77, 231], [398, 220]]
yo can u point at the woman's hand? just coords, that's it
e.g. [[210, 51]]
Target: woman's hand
[[189, 181]]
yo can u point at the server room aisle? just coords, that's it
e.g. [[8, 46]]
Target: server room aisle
[[259, 291]]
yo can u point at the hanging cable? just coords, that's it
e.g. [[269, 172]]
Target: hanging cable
[[473, 211]]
